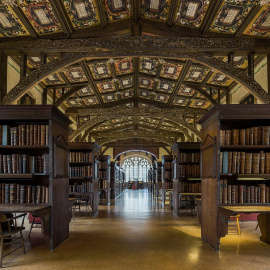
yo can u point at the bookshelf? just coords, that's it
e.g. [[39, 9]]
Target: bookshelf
[[158, 185], [186, 171], [104, 179], [112, 180], [166, 176], [34, 166], [118, 180], [228, 182], [83, 171]]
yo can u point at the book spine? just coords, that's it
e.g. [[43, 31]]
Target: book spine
[[242, 137]]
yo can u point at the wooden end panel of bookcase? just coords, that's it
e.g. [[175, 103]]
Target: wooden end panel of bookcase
[[209, 212]]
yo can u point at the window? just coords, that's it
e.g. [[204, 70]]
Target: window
[[136, 169]]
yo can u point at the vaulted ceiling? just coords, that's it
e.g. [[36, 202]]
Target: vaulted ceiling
[[130, 69]]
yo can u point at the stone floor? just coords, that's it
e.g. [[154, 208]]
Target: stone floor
[[137, 233]]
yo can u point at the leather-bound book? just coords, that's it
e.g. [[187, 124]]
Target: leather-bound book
[[252, 194], [248, 195], [267, 162], [47, 135], [225, 192], [242, 137], [42, 134], [228, 136], [247, 136], [35, 134], [248, 163], [263, 193], [230, 160], [222, 137], [235, 137], [255, 135], [31, 135], [234, 161], [266, 135], [259, 135], [233, 194], [229, 194], [236, 194], [262, 162], [241, 194], [225, 162], [255, 194], [267, 195], [251, 136], [256, 163], [220, 162]]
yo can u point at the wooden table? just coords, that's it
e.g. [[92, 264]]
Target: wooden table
[[41, 210], [263, 217]]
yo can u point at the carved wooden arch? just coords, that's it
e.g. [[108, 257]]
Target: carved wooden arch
[[137, 155], [69, 58], [158, 138], [101, 119]]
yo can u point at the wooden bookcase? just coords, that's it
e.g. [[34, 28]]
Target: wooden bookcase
[[118, 180], [83, 175], [112, 179], [33, 184], [217, 207], [158, 185], [186, 172], [104, 179], [167, 176]]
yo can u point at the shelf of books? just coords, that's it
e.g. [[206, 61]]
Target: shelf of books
[[34, 166], [186, 173], [104, 179], [112, 180], [166, 176], [158, 181], [235, 168], [83, 172]]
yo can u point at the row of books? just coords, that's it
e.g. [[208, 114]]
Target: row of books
[[83, 187], [22, 163], [169, 185], [103, 184], [232, 194], [17, 193], [189, 157], [168, 175], [242, 162], [250, 136], [80, 171], [189, 170], [168, 165], [80, 157], [102, 174], [185, 187], [24, 135], [103, 164]]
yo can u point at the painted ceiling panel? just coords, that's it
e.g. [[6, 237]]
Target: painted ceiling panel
[[127, 94], [146, 83], [162, 98], [170, 70], [73, 102], [165, 86], [180, 101], [75, 74], [197, 74], [231, 15], [186, 91], [149, 65], [54, 79], [41, 16], [155, 9], [219, 79], [109, 98], [33, 62], [117, 9], [202, 104], [126, 82], [145, 94], [88, 101], [82, 13], [59, 92], [10, 24], [105, 87], [100, 70], [260, 25], [123, 66], [86, 91], [191, 13]]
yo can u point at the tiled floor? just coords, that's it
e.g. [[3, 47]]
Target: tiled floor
[[137, 233]]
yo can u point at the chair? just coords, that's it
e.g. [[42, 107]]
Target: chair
[[234, 224], [8, 229], [36, 220]]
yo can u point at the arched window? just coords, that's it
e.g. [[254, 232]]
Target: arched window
[[136, 168]]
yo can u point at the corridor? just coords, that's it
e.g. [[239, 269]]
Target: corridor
[[137, 233]]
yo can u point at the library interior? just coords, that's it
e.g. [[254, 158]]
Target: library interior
[[135, 134]]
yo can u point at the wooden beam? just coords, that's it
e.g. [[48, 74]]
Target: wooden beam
[[136, 80], [180, 81], [23, 65], [251, 71], [25, 22], [90, 79], [3, 75], [172, 12], [60, 12], [254, 11], [210, 15], [44, 96], [135, 10], [231, 58], [101, 11]]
